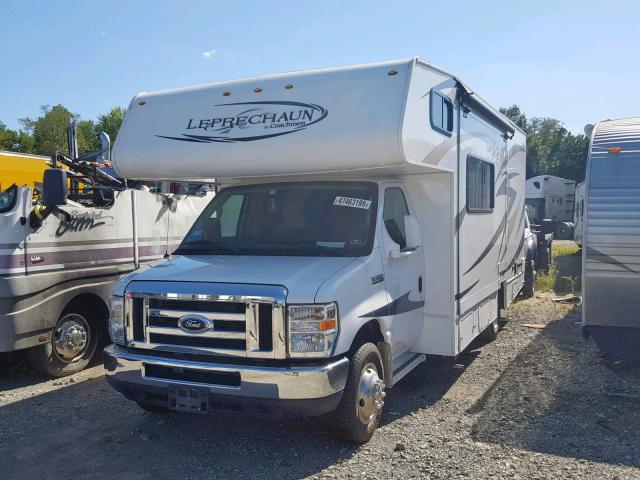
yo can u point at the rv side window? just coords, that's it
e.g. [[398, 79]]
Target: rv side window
[[393, 212], [8, 199], [441, 113], [480, 185]]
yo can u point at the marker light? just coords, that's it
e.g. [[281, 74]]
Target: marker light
[[614, 150]]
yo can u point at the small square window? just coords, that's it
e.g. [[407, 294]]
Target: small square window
[[480, 185], [441, 113]]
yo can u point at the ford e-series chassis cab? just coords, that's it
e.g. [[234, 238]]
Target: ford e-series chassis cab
[[366, 216]]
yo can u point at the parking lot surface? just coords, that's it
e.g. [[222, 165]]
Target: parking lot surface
[[539, 402]]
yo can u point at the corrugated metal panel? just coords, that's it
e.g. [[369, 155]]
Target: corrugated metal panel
[[611, 278]]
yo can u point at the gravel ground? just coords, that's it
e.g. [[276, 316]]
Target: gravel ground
[[536, 403]]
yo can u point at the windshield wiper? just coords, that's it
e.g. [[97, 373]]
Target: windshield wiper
[[205, 245]]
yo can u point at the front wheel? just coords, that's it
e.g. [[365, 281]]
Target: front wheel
[[71, 346], [358, 414]]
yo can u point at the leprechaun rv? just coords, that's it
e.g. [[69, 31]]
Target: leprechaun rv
[[368, 215], [59, 261], [611, 238]]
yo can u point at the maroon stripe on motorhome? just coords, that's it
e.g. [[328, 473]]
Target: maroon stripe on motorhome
[[79, 256]]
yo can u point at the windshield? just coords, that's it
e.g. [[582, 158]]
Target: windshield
[[293, 219], [8, 198]]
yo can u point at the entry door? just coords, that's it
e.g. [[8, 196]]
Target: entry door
[[403, 275]]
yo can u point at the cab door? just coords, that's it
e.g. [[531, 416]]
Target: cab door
[[403, 271]]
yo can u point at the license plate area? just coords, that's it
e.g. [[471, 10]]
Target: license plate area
[[188, 399]]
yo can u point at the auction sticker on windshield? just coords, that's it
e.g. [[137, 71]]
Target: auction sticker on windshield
[[352, 202]]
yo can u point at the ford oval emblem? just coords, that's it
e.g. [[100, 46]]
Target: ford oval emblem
[[194, 323]]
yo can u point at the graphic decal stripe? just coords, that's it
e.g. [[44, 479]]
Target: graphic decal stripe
[[598, 256], [460, 295], [398, 306]]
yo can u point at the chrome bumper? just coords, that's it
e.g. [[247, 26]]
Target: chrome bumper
[[256, 382]]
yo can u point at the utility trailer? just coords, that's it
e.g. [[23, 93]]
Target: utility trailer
[[611, 238], [552, 198], [58, 264], [368, 215]]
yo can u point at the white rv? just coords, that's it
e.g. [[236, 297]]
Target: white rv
[[368, 215], [578, 214], [552, 198], [611, 238], [57, 266]]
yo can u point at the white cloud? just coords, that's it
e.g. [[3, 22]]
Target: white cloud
[[209, 53]]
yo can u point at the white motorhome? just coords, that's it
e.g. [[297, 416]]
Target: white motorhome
[[553, 198], [611, 238], [368, 215], [57, 265], [578, 214]]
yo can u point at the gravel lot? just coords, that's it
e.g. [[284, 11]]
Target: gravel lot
[[536, 403]]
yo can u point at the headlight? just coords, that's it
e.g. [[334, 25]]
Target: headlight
[[313, 329], [116, 320]]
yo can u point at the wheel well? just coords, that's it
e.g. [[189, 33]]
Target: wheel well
[[369, 332], [97, 305]]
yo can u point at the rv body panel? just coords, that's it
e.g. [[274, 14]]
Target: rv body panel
[[611, 241], [551, 197], [77, 250], [379, 125]]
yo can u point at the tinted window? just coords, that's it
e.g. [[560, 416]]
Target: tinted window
[[296, 219], [441, 113], [480, 186], [8, 198], [394, 210]]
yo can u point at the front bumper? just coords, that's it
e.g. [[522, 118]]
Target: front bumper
[[279, 391]]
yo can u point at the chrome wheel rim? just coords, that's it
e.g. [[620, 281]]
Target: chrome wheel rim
[[371, 395], [71, 338]]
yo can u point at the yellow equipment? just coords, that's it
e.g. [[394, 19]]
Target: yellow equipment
[[21, 169]]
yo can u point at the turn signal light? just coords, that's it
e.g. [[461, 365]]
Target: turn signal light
[[325, 325]]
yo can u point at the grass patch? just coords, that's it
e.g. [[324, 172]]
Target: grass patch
[[564, 250], [546, 281], [564, 272]]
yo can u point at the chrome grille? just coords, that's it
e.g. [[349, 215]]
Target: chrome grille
[[248, 320]]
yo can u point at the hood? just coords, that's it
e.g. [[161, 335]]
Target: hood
[[302, 276]]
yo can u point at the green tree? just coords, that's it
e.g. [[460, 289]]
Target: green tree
[[551, 148], [110, 122], [11, 140]]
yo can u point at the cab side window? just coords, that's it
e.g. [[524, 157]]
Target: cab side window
[[393, 212]]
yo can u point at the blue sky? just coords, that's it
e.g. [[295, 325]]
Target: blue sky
[[577, 61]]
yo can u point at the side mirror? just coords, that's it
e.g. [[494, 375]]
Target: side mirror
[[412, 232], [395, 233], [55, 187], [105, 148]]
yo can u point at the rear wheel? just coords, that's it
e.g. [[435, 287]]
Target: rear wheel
[[358, 414], [529, 279], [72, 344]]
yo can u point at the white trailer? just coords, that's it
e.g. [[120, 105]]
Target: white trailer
[[611, 238], [552, 198], [578, 214], [368, 215], [57, 268]]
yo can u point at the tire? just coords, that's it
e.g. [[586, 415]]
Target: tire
[[363, 397], [58, 358], [149, 407], [491, 332], [529, 289]]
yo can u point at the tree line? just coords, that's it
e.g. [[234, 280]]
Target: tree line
[[551, 148], [47, 134]]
